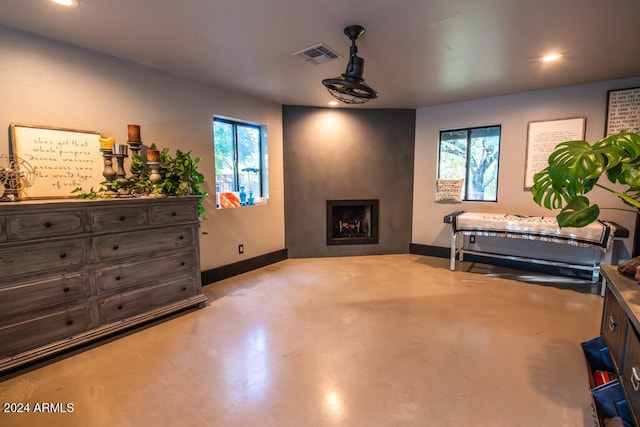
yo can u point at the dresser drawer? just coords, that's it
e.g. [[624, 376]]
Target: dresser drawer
[[170, 213], [66, 290], [113, 219], [630, 375], [44, 329], [35, 226], [31, 258], [114, 246], [135, 302], [614, 328], [149, 271]]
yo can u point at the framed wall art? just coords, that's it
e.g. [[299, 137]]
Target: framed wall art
[[623, 113], [542, 138], [60, 159], [623, 110]]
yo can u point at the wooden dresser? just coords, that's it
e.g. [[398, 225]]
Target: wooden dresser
[[617, 350], [73, 271]]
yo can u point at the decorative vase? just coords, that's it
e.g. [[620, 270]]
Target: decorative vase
[[243, 196]]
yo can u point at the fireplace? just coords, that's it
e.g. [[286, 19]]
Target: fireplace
[[352, 222]]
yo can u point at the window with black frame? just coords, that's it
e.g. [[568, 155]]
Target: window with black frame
[[471, 154], [240, 159]]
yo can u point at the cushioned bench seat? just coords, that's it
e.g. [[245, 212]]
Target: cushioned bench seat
[[598, 236]]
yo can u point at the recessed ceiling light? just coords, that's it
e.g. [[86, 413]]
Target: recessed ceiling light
[[66, 3], [551, 57], [333, 103]]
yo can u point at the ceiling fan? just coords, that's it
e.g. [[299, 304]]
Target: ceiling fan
[[350, 87]]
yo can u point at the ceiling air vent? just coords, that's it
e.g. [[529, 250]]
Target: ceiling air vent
[[318, 54]]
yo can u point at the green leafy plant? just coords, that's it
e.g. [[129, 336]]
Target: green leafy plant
[[180, 174], [180, 177], [91, 194], [138, 184], [576, 168]]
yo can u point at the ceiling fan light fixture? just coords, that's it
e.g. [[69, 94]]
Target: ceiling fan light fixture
[[350, 87]]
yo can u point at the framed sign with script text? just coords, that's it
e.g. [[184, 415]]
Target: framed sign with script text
[[623, 110], [61, 159], [542, 139]]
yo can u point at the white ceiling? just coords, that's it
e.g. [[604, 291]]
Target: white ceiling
[[417, 53]]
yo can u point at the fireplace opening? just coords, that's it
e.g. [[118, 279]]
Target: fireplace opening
[[352, 222]]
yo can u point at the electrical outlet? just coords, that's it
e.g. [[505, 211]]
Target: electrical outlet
[[472, 239], [240, 249]]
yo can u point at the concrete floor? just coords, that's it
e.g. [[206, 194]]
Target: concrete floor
[[393, 340]]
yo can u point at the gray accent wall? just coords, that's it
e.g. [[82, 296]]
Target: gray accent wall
[[335, 154]]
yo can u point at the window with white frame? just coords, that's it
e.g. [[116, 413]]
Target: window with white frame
[[240, 161], [471, 154]]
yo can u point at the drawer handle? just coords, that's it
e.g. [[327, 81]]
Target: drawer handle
[[63, 255], [173, 214], [48, 224], [70, 322], [182, 263], [612, 323], [184, 288], [120, 307], [115, 247], [117, 277], [181, 237], [635, 378], [122, 218], [66, 289]]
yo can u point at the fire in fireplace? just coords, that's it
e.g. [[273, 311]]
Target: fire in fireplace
[[352, 222]]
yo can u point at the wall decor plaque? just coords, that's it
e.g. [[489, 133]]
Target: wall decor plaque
[[63, 159], [623, 110], [542, 139]]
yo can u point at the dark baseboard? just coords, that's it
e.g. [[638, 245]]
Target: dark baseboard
[[440, 252], [220, 273], [427, 250]]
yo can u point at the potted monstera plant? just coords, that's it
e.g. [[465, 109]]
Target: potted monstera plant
[[576, 168]]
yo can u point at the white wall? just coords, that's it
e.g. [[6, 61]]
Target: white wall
[[513, 112], [50, 83]]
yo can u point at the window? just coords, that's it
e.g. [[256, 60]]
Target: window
[[240, 159], [471, 154]]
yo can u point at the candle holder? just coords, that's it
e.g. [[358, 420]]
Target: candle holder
[[120, 152], [109, 173], [155, 176], [135, 146]]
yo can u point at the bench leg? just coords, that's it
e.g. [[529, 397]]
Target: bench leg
[[598, 261], [452, 260], [608, 256]]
